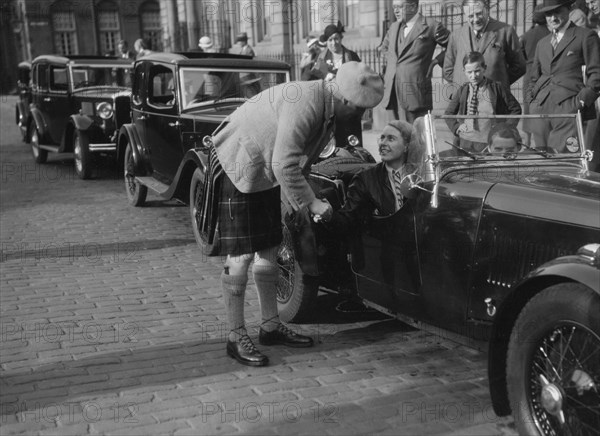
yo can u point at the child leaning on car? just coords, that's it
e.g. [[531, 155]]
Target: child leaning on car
[[479, 96]]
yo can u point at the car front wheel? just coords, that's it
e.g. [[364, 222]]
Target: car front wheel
[[553, 363], [196, 189], [82, 155], [296, 291], [136, 192], [39, 155]]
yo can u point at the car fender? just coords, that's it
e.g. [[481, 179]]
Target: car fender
[[38, 119], [193, 158], [576, 268], [81, 122], [128, 134]]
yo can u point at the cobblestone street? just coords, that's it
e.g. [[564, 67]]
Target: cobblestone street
[[113, 323]]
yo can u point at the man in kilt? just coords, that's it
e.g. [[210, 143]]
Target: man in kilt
[[257, 155]]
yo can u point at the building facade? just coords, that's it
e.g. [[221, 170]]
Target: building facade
[[276, 28]]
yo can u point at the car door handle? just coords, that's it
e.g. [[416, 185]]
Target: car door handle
[[47, 99], [175, 124]]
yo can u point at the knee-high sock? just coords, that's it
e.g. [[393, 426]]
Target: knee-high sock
[[234, 290], [266, 277]]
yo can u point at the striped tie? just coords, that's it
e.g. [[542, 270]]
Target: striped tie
[[554, 40], [398, 188], [473, 103]]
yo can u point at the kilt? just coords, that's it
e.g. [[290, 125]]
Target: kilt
[[248, 222]]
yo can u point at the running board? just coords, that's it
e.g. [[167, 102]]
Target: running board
[[154, 185], [51, 148]]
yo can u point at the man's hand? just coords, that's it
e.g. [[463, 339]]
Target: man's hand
[[463, 128], [320, 209]]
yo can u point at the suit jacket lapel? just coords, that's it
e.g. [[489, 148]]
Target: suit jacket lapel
[[419, 27], [466, 37], [395, 29], [488, 36], [564, 42], [388, 199]]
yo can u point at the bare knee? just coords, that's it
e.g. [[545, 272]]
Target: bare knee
[[266, 257], [238, 265]]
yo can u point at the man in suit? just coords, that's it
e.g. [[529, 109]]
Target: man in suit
[[257, 156], [123, 50], [409, 45], [497, 41], [557, 82]]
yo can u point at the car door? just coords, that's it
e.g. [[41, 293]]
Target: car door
[[58, 104], [163, 133], [40, 98], [385, 260]]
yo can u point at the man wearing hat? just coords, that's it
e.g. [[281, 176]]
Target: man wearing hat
[[243, 48], [256, 157], [206, 45], [497, 41], [308, 59], [557, 83], [409, 46]]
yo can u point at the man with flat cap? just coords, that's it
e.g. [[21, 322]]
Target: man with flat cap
[[557, 83], [260, 151], [243, 48]]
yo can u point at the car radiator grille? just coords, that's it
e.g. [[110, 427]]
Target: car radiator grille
[[511, 259]]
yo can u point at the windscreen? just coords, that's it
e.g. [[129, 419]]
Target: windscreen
[[104, 75], [201, 87]]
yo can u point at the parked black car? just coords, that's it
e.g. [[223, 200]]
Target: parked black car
[[496, 249], [24, 90], [177, 99], [78, 104]]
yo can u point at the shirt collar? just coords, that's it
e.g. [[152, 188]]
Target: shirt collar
[[561, 31]]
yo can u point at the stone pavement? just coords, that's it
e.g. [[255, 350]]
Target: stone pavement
[[113, 323]]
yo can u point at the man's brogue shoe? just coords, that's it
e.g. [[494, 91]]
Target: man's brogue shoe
[[284, 336], [246, 353]]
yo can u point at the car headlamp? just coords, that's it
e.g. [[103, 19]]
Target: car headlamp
[[104, 110]]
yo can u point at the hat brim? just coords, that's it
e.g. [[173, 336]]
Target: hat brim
[[545, 9]]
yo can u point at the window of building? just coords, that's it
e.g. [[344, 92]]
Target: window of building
[[264, 17], [453, 16], [151, 27], [65, 35], [352, 14], [108, 27]]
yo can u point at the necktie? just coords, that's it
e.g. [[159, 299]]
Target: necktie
[[397, 187], [473, 103], [477, 35], [554, 40]]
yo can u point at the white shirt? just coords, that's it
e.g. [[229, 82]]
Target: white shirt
[[409, 25], [561, 32]]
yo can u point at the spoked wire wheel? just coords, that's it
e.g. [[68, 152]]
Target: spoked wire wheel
[[553, 363]]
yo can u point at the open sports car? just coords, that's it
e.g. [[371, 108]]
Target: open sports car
[[498, 247]]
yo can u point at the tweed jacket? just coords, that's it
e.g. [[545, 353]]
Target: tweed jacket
[[408, 63], [324, 62], [503, 102], [499, 46], [558, 76], [261, 144]]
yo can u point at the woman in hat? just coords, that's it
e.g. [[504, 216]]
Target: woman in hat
[[334, 55], [206, 45]]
